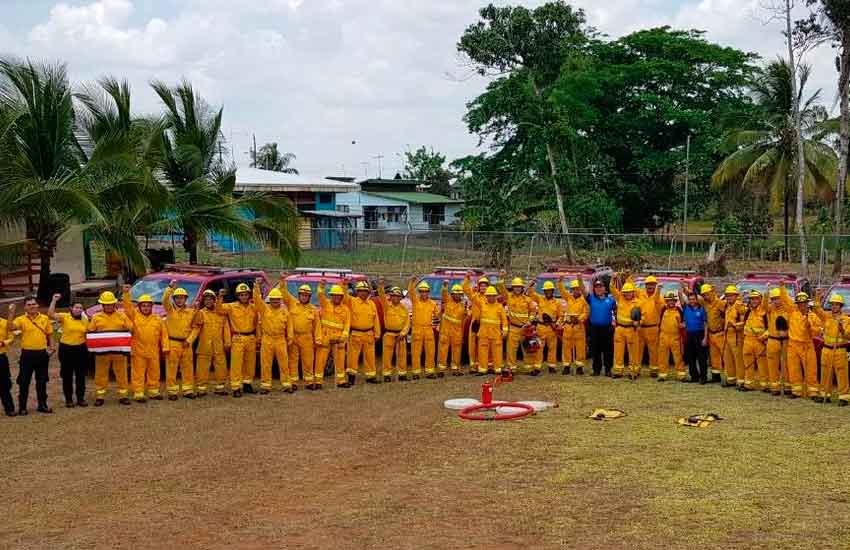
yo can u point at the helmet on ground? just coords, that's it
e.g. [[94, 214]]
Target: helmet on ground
[[836, 299], [396, 291], [670, 296], [548, 285], [775, 292], [275, 294], [362, 285], [802, 298], [575, 284], [517, 282], [107, 298], [337, 290], [180, 292], [755, 294], [491, 291], [651, 280], [423, 286], [628, 287], [209, 293], [242, 288], [145, 299], [731, 290], [457, 289], [706, 288], [306, 289]]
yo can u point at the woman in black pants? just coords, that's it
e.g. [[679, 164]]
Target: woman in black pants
[[73, 353]]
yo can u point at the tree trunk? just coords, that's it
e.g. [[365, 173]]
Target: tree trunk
[[786, 194], [798, 140], [190, 245], [843, 152], [45, 255]]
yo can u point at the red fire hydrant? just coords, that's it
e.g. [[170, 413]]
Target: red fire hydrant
[[486, 393]]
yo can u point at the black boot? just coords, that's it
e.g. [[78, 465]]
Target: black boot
[[189, 396], [595, 373], [579, 371], [403, 378], [43, 408], [817, 399], [69, 403], [11, 412], [432, 376], [351, 379], [653, 374], [371, 380], [388, 378], [124, 401], [248, 388], [567, 370], [172, 397], [843, 403], [534, 372], [264, 391], [98, 402], [715, 377], [237, 393]]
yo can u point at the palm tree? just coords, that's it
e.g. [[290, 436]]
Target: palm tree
[[270, 158], [763, 150], [202, 195]]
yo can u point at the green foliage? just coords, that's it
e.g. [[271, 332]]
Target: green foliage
[[428, 166], [269, 157]]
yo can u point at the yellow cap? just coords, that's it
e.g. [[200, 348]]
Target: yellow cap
[[145, 298], [275, 294], [423, 285], [575, 284], [706, 289], [491, 291], [396, 291], [628, 287], [107, 298], [242, 288], [802, 298], [548, 285], [731, 289], [775, 292], [517, 282], [209, 293], [755, 294], [180, 292], [651, 280], [307, 289], [670, 296], [337, 290], [362, 285], [457, 289], [836, 299], [484, 280]]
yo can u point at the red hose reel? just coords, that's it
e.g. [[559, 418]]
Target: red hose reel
[[487, 404]]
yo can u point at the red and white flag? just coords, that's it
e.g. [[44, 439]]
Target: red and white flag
[[109, 342]]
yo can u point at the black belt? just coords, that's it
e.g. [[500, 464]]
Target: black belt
[[252, 333], [177, 339], [777, 337], [517, 326], [648, 326], [361, 330], [388, 331], [827, 346], [715, 331]]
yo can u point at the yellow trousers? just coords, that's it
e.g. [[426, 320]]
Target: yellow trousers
[[775, 359], [648, 339], [549, 347], [755, 364], [715, 352], [243, 361], [202, 371], [392, 355], [489, 352], [514, 341], [802, 368], [422, 338], [574, 346], [322, 354], [733, 358], [179, 358], [834, 360], [302, 349], [145, 376], [102, 364], [271, 348], [473, 349], [626, 339], [451, 340], [362, 342], [670, 344]]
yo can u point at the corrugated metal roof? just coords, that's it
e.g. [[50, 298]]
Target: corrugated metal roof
[[413, 197], [331, 214], [254, 179]]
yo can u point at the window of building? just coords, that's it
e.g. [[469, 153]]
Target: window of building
[[326, 198]]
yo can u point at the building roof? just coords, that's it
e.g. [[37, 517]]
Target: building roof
[[254, 179], [330, 214], [415, 198], [392, 182]]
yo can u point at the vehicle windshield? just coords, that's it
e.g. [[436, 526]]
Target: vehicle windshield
[[540, 282], [155, 288], [292, 287], [843, 291], [664, 287], [436, 284], [744, 287]]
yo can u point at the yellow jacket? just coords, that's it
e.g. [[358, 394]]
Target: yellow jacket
[[756, 322], [574, 309], [734, 316], [34, 331], [650, 307], [424, 311], [715, 311], [6, 336], [150, 337], [476, 300], [179, 320], [73, 330], [335, 320], [494, 322], [836, 329], [625, 307], [213, 332], [396, 317], [521, 309], [453, 313], [364, 315], [304, 317], [784, 310], [671, 322], [545, 306], [274, 322], [242, 319], [802, 328], [102, 322]]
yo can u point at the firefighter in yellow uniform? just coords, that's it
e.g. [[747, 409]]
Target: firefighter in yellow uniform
[[670, 339], [779, 311], [150, 341], [336, 327], [476, 300], [424, 313], [365, 331], [180, 322], [276, 335], [396, 328], [573, 317], [626, 338], [733, 330], [452, 321], [802, 359], [548, 308], [522, 310], [213, 341], [304, 317], [109, 320], [715, 310], [494, 326], [833, 359], [651, 305], [242, 318], [754, 352]]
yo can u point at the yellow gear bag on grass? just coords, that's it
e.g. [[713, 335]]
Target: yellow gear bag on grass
[[606, 414], [699, 420]]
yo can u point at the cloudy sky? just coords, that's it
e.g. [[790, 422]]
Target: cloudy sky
[[317, 75]]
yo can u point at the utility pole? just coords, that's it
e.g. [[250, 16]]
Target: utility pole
[[254, 150], [687, 181], [365, 169]]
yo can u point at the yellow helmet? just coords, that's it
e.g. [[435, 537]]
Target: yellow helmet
[[337, 290], [362, 285], [706, 289], [491, 291], [802, 298], [275, 294], [242, 288], [670, 295], [209, 293], [396, 291], [628, 287], [731, 289], [180, 292], [307, 289], [457, 289], [145, 298], [484, 280], [107, 298], [423, 285], [836, 299], [575, 284], [651, 280], [517, 282], [548, 285], [775, 292], [755, 294]]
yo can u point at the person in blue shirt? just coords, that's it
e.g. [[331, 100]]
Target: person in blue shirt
[[696, 342], [602, 307]]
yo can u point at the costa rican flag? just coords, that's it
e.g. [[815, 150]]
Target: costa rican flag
[[109, 342]]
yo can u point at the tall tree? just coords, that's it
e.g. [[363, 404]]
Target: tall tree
[[269, 157], [429, 166]]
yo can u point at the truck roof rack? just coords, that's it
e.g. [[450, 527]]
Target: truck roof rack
[[463, 269], [766, 274], [664, 271], [189, 268], [322, 271]]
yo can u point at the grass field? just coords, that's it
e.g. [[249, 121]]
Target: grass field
[[386, 467]]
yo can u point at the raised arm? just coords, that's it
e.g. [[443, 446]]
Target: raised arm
[[258, 297], [411, 290], [129, 310], [167, 304], [467, 286], [376, 322], [323, 300], [615, 287], [51, 311], [220, 306], [382, 295], [288, 298], [502, 289], [444, 293], [562, 288]]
